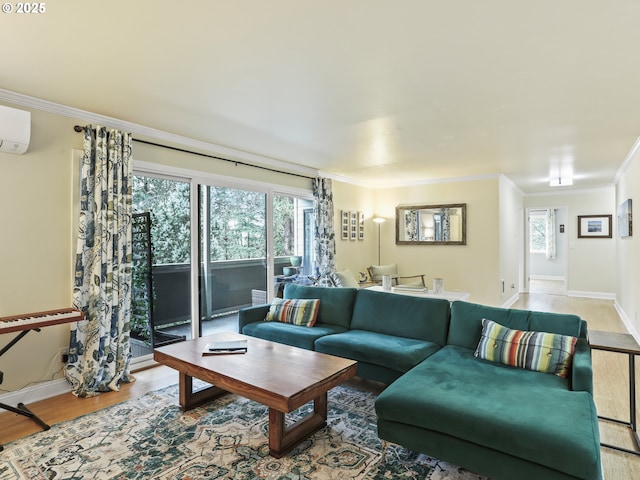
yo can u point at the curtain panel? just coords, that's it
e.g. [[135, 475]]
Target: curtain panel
[[325, 238], [550, 253], [99, 352]]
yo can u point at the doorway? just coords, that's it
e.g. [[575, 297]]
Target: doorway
[[547, 250]]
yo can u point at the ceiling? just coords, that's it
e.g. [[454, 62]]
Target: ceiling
[[380, 92]]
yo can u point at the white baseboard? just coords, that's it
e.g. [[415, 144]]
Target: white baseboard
[[140, 363], [627, 321], [554, 278], [36, 393], [511, 301], [598, 295], [52, 388]]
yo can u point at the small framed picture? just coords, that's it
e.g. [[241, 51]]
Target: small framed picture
[[625, 219], [353, 225], [344, 225], [594, 226]]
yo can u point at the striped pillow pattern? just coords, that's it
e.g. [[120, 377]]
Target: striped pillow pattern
[[539, 351], [298, 311]]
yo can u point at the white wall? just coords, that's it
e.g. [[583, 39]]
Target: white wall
[[511, 240], [591, 265], [628, 251]]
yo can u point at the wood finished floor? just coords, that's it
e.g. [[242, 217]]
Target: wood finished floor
[[610, 385]]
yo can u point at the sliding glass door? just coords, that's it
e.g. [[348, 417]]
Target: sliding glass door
[[233, 251], [292, 240], [161, 300], [203, 251]]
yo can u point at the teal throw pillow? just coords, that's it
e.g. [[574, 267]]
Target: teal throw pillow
[[298, 311], [539, 351]]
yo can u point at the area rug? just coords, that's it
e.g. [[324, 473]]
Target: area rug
[[150, 438]]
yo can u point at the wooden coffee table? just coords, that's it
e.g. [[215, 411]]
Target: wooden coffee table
[[279, 376]]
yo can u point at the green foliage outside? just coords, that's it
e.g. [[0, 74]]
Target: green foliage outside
[[537, 234], [237, 221]]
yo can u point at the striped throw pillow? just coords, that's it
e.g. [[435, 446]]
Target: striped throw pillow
[[298, 311], [539, 351]]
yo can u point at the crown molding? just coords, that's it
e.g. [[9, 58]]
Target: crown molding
[[152, 133], [580, 191], [635, 149]]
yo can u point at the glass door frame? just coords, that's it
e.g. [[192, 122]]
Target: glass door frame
[[196, 178]]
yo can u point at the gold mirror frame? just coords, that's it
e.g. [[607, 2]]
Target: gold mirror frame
[[431, 224]]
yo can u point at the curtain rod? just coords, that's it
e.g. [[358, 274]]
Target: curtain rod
[[79, 128]]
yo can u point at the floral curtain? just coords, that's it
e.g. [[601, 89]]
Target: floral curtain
[[411, 220], [446, 225], [325, 241], [99, 352]]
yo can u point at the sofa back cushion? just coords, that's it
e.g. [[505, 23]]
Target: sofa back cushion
[[336, 304], [466, 322], [401, 315]]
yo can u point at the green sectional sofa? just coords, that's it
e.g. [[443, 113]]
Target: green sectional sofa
[[501, 421]]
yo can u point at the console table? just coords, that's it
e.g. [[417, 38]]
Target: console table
[[451, 296], [621, 343]]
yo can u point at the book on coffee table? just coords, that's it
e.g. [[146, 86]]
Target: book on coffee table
[[410, 288], [223, 347]]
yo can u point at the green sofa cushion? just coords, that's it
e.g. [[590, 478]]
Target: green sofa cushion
[[523, 413], [289, 334], [401, 315], [336, 304], [397, 353]]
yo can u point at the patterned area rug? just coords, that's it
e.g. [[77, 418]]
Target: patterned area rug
[[150, 438]]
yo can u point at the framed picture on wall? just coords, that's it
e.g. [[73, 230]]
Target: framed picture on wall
[[594, 226], [344, 225], [360, 226], [625, 219], [353, 226]]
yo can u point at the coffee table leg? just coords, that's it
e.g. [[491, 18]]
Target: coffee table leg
[[282, 439], [190, 399]]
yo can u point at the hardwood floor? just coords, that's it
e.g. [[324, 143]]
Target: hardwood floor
[[610, 384]]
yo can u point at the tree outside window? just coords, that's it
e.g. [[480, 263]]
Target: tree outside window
[[537, 232]]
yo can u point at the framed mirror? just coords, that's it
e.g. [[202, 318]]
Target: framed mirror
[[431, 224]]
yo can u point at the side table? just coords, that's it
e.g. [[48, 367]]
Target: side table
[[621, 343]]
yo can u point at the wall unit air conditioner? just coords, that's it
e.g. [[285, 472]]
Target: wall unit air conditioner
[[15, 130]]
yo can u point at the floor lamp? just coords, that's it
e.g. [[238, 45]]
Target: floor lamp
[[379, 221]]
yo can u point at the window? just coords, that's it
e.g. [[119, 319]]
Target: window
[[538, 232], [542, 232]]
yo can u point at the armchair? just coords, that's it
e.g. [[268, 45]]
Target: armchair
[[377, 271]]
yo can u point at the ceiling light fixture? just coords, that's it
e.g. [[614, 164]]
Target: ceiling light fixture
[[561, 182]]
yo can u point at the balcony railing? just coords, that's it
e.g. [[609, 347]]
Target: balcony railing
[[232, 283]]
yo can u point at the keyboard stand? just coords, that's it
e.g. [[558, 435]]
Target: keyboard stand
[[21, 409]]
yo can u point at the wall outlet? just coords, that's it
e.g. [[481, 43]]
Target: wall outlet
[[64, 355]]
